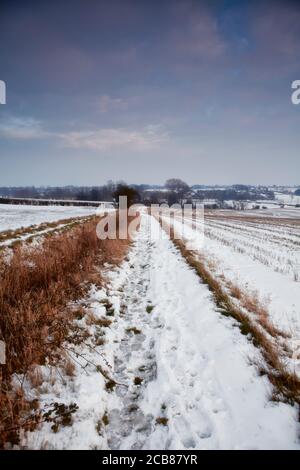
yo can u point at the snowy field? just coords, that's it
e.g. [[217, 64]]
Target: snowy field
[[13, 216], [275, 211], [183, 374], [271, 209], [287, 198], [260, 255], [273, 243]]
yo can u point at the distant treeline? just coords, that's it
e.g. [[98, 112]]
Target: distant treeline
[[79, 193], [235, 195], [173, 191]]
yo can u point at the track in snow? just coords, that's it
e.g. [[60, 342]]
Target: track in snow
[[198, 390], [135, 363]]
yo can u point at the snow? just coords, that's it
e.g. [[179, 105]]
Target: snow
[[86, 388], [260, 258], [287, 198], [196, 388], [214, 398], [13, 216], [266, 209]]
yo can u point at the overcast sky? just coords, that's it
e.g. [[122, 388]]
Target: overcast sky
[[147, 90]]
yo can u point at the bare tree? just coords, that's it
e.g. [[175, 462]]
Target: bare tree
[[132, 194], [178, 189]]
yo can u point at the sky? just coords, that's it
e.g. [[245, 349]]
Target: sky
[[143, 91]]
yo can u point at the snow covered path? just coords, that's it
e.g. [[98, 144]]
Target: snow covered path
[[179, 370], [186, 367], [134, 361]]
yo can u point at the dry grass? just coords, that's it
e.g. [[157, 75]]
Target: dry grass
[[92, 319], [162, 420], [35, 291], [286, 385], [252, 303], [134, 330], [69, 368]]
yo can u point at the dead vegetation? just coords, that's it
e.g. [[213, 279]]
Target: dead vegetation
[[60, 415], [134, 330], [162, 420], [149, 308], [137, 380], [35, 318], [252, 304]]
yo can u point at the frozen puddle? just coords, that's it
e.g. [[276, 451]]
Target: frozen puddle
[[183, 371]]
